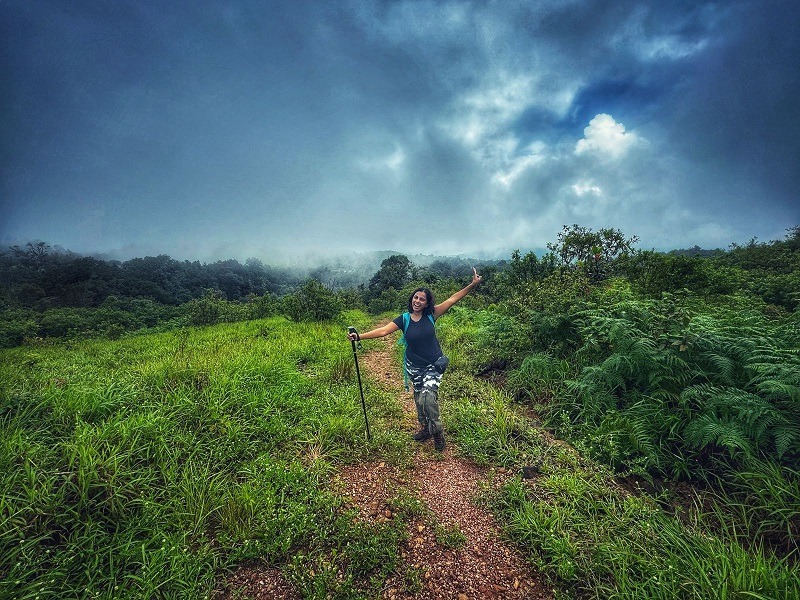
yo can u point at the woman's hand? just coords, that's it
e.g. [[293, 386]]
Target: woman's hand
[[353, 337], [476, 279]]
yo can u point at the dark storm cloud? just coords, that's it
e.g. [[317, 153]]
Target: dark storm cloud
[[740, 116], [239, 128]]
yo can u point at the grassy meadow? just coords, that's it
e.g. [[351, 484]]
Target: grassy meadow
[[147, 467], [151, 466]]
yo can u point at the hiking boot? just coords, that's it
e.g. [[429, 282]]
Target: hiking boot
[[438, 441], [422, 435]]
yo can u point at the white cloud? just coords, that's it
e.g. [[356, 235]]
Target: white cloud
[[712, 233], [393, 161], [485, 112], [671, 47], [636, 36], [533, 155], [606, 137], [520, 165], [582, 188], [483, 121]]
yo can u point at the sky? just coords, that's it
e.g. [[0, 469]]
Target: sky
[[229, 129]]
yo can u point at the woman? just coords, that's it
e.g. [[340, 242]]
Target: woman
[[422, 351]]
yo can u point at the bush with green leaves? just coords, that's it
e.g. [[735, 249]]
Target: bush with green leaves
[[677, 388], [261, 307], [727, 390], [213, 308], [113, 318], [772, 269], [388, 300], [311, 302], [592, 252], [521, 271], [16, 325], [654, 273], [502, 339]]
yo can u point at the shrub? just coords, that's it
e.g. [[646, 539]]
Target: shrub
[[312, 302], [206, 310]]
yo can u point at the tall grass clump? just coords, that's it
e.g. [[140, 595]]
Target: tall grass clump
[[148, 467], [596, 542]]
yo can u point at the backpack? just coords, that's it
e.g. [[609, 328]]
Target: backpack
[[402, 342]]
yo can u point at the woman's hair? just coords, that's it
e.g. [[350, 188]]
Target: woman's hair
[[428, 294]]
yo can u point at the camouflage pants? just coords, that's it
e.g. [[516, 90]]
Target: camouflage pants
[[426, 381]]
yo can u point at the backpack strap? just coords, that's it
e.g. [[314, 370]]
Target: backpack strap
[[402, 341]]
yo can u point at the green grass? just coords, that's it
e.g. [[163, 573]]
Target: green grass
[[150, 467], [598, 543]]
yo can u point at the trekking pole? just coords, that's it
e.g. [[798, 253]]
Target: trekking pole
[[360, 389]]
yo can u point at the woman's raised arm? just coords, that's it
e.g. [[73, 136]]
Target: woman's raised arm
[[442, 308]]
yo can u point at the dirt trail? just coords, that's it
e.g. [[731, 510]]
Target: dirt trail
[[477, 565], [483, 566]]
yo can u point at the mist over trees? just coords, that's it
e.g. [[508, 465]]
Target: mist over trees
[[39, 277], [48, 292]]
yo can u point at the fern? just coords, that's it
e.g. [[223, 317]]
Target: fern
[[766, 426], [787, 440], [779, 390], [732, 384], [585, 401], [654, 427], [694, 397], [614, 371], [725, 367], [708, 430], [788, 372], [620, 439]]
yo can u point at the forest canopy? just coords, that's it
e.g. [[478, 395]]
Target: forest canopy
[[49, 292]]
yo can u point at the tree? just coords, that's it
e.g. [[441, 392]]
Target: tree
[[523, 269], [395, 272], [35, 257], [208, 309], [312, 302], [793, 237], [580, 247]]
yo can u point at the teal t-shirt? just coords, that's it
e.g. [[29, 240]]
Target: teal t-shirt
[[423, 346]]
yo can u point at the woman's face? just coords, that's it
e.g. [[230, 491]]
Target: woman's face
[[419, 301]]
